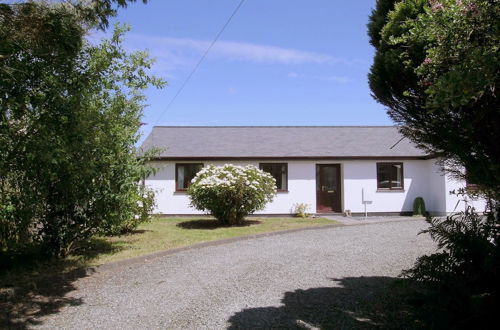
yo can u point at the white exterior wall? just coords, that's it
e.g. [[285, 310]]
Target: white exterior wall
[[443, 193], [456, 203], [301, 188], [436, 202], [359, 175], [421, 178]]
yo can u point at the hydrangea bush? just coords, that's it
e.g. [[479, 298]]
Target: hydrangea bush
[[231, 192]]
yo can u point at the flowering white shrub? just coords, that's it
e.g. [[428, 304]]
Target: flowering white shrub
[[231, 192]]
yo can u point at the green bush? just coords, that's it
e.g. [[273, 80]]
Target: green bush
[[140, 205], [16, 227], [466, 268], [419, 207], [230, 192], [69, 168], [10, 231]]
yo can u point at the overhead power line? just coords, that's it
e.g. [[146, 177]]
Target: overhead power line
[[199, 61]]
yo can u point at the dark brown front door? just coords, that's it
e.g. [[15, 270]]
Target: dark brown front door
[[328, 188]]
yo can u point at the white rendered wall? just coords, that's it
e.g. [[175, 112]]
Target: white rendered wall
[[359, 175], [301, 188], [455, 203], [421, 178], [436, 201], [443, 193]]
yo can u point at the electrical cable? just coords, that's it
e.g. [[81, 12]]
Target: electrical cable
[[199, 62]]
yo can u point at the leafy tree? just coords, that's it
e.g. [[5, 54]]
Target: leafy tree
[[99, 11], [230, 192], [436, 67], [69, 113], [378, 18]]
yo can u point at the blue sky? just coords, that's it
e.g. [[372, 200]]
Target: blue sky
[[279, 62]]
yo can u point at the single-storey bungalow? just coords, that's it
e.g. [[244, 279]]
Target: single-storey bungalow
[[333, 169]]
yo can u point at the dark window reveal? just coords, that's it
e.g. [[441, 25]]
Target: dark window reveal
[[184, 173], [470, 185], [280, 173], [390, 176]]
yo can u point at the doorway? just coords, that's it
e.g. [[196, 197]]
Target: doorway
[[328, 188]]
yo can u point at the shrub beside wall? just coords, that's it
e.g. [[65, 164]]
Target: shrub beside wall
[[419, 207], [231, 192]]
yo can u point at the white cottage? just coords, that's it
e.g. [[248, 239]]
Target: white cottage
[[331, 168]]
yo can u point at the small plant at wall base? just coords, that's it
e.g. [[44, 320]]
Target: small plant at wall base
[[300, 210], [230, 192], [419, 207]]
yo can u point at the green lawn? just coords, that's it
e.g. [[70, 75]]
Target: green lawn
[[169, 233]]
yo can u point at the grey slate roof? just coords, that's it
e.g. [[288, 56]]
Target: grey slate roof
[[279, 142]]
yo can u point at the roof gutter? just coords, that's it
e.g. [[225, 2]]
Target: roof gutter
[[296, 158]]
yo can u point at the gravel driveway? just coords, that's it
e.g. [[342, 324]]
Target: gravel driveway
[[321, 278]]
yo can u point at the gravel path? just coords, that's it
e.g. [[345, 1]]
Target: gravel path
[[322, 278]]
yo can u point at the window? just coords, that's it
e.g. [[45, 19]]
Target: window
[[470, 185], [390, 176], [279, 172], [184, 173]]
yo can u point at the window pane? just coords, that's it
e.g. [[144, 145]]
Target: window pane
[[390, 175], [180, 177], [396, 176], [186, 173], [284, 181], [383, 177], [279, 173], [276, 173], [328, 178]]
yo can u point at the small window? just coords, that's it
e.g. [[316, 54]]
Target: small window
[[470, 185], [279, 172], [390, 176], [184, 173]]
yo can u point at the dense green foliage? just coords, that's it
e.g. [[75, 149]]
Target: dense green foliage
[[467, 267], [230, 192], [419, 207], [69, 117], [378, 18], [436, 68]]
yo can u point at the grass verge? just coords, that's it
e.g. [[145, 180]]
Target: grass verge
[[169, 233]]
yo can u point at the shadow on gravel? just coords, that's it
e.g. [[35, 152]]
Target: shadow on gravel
[[213, 224], [22, 306], [353, 303], [32, 286]]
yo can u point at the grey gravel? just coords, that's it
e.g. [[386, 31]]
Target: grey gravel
[[295, 280]]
